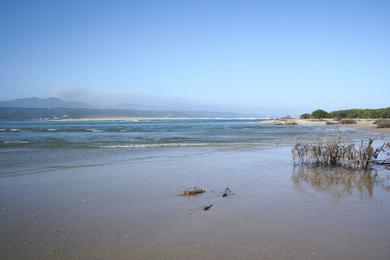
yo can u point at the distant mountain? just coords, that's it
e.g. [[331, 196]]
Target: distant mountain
[[19, 113], [55, 108], [34, 102]]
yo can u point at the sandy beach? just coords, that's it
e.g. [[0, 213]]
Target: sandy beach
[[136, 119], [128, 207], [363, 124]]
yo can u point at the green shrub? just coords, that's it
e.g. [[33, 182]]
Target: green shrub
[[350, 113], [319, 113], [361, 113], [305, 116]]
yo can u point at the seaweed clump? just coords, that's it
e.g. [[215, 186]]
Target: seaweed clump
[[192, 191]]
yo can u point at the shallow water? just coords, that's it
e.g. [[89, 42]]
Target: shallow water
[[28, 146], [127, 207], [154, 133]]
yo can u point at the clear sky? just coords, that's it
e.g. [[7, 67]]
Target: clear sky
[[273, 56]]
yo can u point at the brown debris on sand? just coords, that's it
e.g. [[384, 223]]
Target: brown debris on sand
[[192, 191], [346, 121], [383, 123]]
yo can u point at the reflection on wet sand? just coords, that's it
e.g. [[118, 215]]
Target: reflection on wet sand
[[341, 182]]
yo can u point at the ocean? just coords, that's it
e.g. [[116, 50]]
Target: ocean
[[155, 133], [28, 146]]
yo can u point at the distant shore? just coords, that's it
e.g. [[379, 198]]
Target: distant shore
[[362, 124], [132, 119]]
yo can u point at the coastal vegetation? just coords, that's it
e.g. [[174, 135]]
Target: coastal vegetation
[[319, 113], [305, 116], [348, 113]]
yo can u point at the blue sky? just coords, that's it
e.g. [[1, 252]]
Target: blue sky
[[259, 56]]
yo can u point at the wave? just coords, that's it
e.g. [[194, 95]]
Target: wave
[[179, 133], [158, 145], [93, 130], [216, 144], [16, 142]]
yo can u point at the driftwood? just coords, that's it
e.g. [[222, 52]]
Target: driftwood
[[336, 153]]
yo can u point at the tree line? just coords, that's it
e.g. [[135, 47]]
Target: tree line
[[349, 113]]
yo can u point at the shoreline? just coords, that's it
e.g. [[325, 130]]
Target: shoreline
[[361, 124], [135, 119]]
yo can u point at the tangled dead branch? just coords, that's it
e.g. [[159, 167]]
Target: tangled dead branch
[[337, 153]]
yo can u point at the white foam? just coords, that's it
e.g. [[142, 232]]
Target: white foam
[[156, 145], [93, 130], [16, 142]]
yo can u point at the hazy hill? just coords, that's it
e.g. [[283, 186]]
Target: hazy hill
[[35, 102], [18, 113], [55, 108]]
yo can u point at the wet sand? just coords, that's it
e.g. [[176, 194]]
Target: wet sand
[[129, 208]]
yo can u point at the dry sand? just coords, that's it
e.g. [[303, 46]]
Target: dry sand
[[363, 124]]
